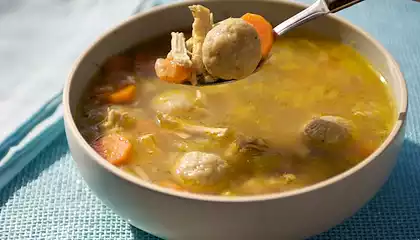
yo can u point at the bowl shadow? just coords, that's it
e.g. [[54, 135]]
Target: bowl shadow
[[139, 234]]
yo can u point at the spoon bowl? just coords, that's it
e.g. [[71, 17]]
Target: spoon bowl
[[317, 9]]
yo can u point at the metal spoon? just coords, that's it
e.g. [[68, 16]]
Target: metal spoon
[[317, 9]]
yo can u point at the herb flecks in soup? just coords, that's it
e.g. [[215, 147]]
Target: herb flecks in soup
[[313, 110]]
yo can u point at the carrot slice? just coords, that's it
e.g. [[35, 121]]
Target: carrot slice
[[124, 95], [115, 148], [118, 63], [171, 72], [264, 30]]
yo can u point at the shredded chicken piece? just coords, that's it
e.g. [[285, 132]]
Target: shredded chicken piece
[[203, 22], [141, 173], [196, 129], [174, 123], [189, 43], [113, 118], [179, 51], [119, 117]]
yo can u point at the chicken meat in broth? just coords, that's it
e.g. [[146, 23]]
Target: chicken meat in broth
[[314, 109]]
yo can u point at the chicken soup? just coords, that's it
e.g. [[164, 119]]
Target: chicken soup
[[296, 110]]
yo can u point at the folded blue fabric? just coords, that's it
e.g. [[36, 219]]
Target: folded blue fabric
[[27, 141]]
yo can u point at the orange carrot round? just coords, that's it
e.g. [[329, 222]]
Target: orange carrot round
[[115, 148], [169, 71], [124, 95], [264, 30]]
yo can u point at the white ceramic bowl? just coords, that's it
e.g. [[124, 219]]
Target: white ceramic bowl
[[175, 215]]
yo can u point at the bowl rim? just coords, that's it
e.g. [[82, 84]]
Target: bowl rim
[[71, 127]]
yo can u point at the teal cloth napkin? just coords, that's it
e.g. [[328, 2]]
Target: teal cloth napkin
[[49, 200]]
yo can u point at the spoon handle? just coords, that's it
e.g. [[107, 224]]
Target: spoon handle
[[337, 5], [319, 8]]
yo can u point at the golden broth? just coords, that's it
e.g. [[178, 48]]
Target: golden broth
[[304, 77]]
